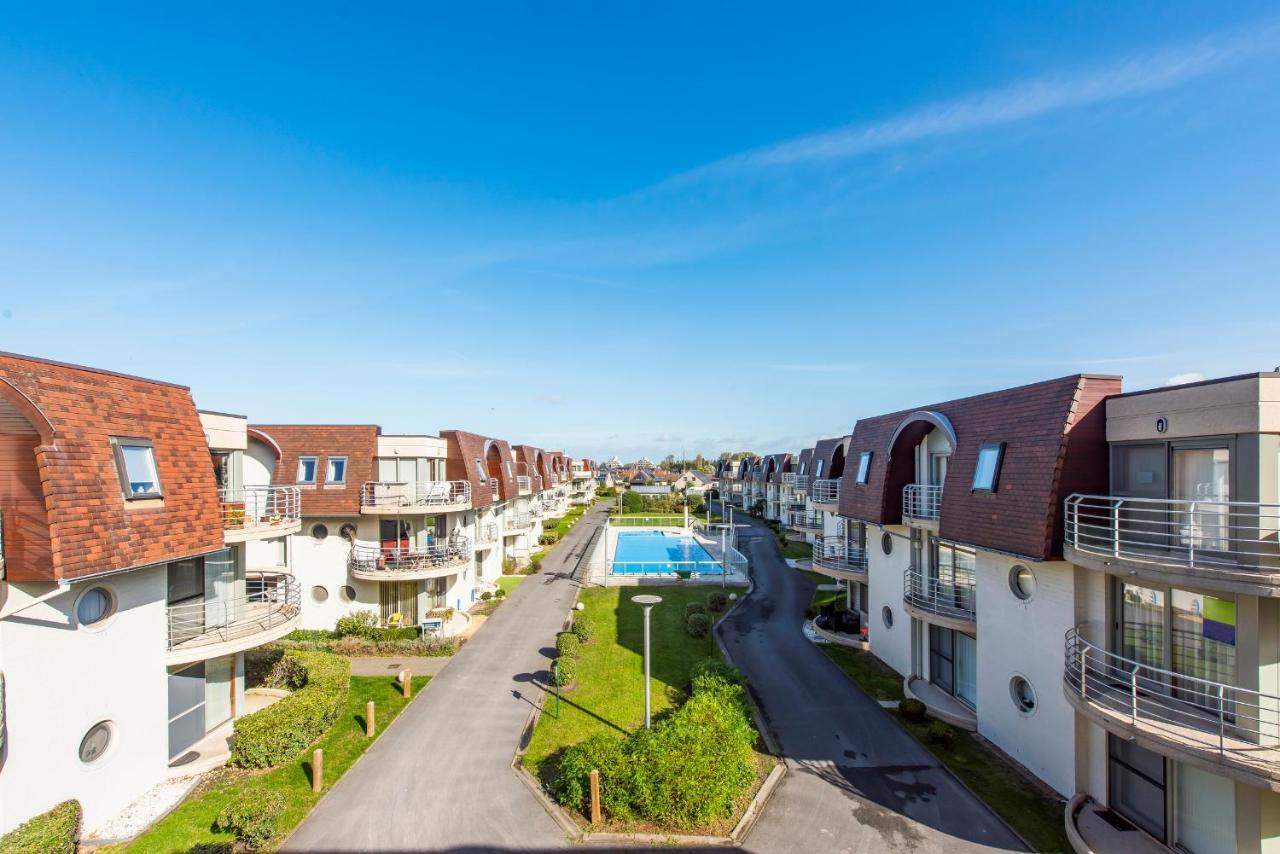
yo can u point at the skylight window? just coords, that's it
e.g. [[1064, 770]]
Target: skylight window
[[136, 465], [986, 474], [864, 467], [818, 471], [484, 476], [337, 472], [307, 469]]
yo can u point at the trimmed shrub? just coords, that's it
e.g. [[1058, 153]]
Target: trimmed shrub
[[694, 608], [254, 818], [711, 674], [549, 539], [565, 671], [698, 625], [311, 635], [912, 709], [284, 729], [350, 646], [717, 601], [54, 832], [601, 752], [940, 734], [259, 662], [567, 645], [500, 593], [362, 624], [583, 628], [486, 596], [289, 674]]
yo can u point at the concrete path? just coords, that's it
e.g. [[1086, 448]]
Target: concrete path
[[440, 777], [858, 781]]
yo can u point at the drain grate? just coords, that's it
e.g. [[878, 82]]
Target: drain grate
[[1116, 820]]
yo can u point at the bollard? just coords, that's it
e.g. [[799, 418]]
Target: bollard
[[406, 678], [595, 796], [317, 770], [369, 728]]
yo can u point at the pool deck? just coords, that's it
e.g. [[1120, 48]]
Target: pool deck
[[602, 573]]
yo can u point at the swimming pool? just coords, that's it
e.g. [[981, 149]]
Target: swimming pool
[[655, 552]]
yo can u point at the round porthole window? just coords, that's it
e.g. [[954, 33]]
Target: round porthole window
[[319, 532], [886, 543], [96, 742], [347, 593], [95, 607], [886, 614], [348, 532], [1023, 695], [319, 594], [1022, 581]]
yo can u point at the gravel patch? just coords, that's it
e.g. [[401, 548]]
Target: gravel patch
[[142, 813]]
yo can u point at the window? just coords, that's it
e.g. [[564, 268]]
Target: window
[[1022, 694], [319, 532], [307, 469], [136, 465], [886, 543], [886, 614], [1022, 581], [280, 550], [348, 532], [95, 606], [986, 474], [347, 593], [96, 742], [818, 471], [484, 476], [337, 472], [864, 467], [319, 594]]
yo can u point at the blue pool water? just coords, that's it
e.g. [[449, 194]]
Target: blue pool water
[[650, 552]]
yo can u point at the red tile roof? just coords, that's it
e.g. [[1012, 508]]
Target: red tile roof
[[357, 442], [464, 449]]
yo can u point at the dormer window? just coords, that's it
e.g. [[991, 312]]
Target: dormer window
[[986, 474], [484, 476], [864, 467], [136, 465], [307, 469], [337, 471]]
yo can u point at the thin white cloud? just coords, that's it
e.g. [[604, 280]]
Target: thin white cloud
[[1182, 379]]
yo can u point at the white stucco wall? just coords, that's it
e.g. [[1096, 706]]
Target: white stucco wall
[[61, 679], [884, 572]]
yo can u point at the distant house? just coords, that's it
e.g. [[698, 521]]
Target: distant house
[[693, 482]]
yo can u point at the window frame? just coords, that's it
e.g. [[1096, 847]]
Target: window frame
[[864, 468], [315, 470], [484, 475], [328, 470], [994, 486], [118, 444]]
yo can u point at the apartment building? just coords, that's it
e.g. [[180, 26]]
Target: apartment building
[[802, 515]]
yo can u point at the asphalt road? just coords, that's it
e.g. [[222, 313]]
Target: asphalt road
[[440, 777], [858, 781]]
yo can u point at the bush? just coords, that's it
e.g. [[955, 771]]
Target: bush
[[583, 628], [912, 709], [940, 734], [486, 596], [254, 817], [717, 601], [567, 645], [259, 662], [362, 624], [698, 625], [694, 608], [54, 832], [535, 563], [711, 674], [565, 671], [601, 752], [548, 539], [289, 673], [284, 729], [509, 566], [354, 646], [500, 593]]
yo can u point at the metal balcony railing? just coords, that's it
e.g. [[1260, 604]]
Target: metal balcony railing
[[524, 484], [379, 560], [1233, 540], [1238, 724], [808, 521], [253, 507], [953, 597], [921, 501], [270, 600], [495, 488], [839, 554], [826, 491], [423, 493], [535, 509], [517, 521], [486, 533]]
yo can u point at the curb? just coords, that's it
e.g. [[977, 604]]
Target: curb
[[1074, 806]]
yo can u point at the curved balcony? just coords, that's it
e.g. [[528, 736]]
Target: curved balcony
[[805, 521], [259, 512], [535, 509], [524, 484], [1223, 729], [516, 523], [390, 497], [921, 502], [1226, 546], [951, 603], [837, 558], [825, 491], [373, 563], [268, 610], [486, 534]]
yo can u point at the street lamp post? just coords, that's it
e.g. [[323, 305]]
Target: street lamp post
[[647, 602]]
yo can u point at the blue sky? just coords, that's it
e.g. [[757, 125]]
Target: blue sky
[[639, 229]]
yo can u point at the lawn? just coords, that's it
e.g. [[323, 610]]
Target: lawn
[[610, 693], [189, 825], [797, 550], [510, 582]]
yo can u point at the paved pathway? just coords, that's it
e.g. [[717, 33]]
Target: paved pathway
[[858, 781], [440, 777]]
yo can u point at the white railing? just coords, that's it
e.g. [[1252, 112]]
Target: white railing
[[839, 554], [495, 487], [947, 597], [809, 521], [1229, 539], [1236, 723], [253, 507], [524, 483], [487, 533], [380, 560], [647, 521], [921, 501], [270, 600], [423, 493], [535, 509], [517, 521], [826, 491]]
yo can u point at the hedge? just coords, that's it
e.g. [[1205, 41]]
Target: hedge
[[567, 645], [284, 729], [583, 628], [54, 832]]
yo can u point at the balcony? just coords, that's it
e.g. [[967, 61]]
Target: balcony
[[838, 558], [825, 491], [255, 512], [805, 521], [390, 497], [1225, 546], [921, 501], [486, 534], [535, 509], [203, 629], [524, 484], [495, 489], [949, 602], [517, 522], [1223, 729], [374, 563]]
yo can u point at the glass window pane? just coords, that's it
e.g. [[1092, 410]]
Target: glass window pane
[[1137, 785], [984, 474], [1203, 635], [864, 466], [140, 469], [966, 665], [306, 469], [337, 470], [1202, 475], [1142, 624], [1206, 811]]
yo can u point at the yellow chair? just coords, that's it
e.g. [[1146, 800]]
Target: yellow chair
[[394, 621]]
